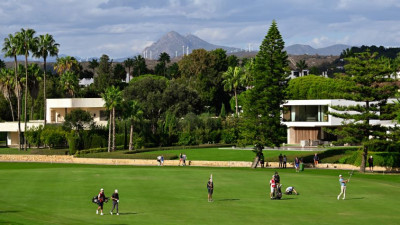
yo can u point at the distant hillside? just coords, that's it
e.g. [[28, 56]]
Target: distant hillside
[[308, 50], [175, 44]]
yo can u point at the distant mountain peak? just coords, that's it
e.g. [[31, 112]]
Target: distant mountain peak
[[176, 44]]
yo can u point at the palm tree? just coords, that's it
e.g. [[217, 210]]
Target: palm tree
[[27, 43], [66, 63], [47, 46], [301, 65], [136, 114], [6, 86], [70, 83], [129, 64], [232, 80], [139, 65], [10, 48], [113, 98], [33, 83], [93, 64]]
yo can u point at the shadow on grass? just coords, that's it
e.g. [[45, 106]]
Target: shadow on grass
[[283, 199], [128, 213], [9, 211], [229, 199], [355, 198]]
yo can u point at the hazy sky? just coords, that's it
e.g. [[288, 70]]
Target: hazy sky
[[123, 28]]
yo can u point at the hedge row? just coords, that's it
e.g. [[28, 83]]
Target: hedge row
[[96, 150]]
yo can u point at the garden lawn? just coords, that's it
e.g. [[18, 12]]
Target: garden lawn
[[208, 154], [36, 193]]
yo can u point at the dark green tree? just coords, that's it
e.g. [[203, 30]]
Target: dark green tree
[[78, 120], [93, 64], [161, 67], [233, 61], [261, 119], [372, 86], [139, 65], [128, 63], [104, 73]]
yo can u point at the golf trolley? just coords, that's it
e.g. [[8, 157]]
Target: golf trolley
[[278, 192]]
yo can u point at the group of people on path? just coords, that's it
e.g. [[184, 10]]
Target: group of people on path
[[282, 161], [101, 199], [182, 159]]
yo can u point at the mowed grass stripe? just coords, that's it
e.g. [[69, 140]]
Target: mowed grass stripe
[[61, 194]]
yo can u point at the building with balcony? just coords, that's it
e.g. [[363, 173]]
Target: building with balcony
[[56, 109]]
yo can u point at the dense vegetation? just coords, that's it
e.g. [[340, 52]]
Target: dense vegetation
[[206, 97]]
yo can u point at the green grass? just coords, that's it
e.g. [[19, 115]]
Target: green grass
[[60, 194], [208, 154], [33, 151]]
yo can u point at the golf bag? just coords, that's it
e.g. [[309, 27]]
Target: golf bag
[[95, 199], [278, 192]]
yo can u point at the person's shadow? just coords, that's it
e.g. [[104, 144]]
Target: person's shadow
[[9, 211]]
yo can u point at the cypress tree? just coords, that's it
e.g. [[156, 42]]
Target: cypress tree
[[261, 118]]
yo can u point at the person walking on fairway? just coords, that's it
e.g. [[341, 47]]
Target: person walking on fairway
[[342, 187], [115, 198], [272, 184], [316, 159], [100, 201], [180, 159], [297, 164], [210, 189]]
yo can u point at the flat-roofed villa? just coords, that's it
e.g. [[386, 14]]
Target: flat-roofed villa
[[306, 119], [56, 109]]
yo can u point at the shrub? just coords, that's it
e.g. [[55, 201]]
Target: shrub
[[53, 136], [33, 135], [72, 142]]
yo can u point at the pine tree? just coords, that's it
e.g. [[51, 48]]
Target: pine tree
[[261, 119], [371, 87]]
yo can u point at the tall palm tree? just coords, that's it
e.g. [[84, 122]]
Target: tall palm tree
[[93, 64], [27, 43], [301, 65], [70, 83], [129, 64], [47, 46], [113, 98], [10, 48], [33, 83], [136, 114], [233, 80], [67, 63], [164, 59], [7, 86]]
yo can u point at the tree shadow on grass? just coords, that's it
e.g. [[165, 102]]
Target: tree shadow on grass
[[229, 199]]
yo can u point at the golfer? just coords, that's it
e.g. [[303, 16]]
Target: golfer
[[210, 189], [316, 159], [273, 185], [371, 164], [277, 179], [115, 198], [342, 187], [290, 190], [100, 201]]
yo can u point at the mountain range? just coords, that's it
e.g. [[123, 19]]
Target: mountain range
[[298, 49], [176, 45]]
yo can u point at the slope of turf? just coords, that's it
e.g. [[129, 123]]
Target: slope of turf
[[60, 194]]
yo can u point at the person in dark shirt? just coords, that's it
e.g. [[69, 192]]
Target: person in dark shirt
[[100, 201], [280, 161], [297, 164], [115, 198], [371, 164], [316, 159], [277, 179], [262, 160], [210, 188]]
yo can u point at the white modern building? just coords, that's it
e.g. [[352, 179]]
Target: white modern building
[[305, 120], [56, 109]]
